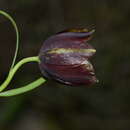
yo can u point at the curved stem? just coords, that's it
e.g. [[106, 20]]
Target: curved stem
[[15, 68], [23, 89], [17, 34]]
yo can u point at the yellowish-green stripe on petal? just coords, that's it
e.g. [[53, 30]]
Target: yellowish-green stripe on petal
[[69, 50]]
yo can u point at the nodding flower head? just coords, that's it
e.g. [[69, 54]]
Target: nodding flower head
[[65, 56]]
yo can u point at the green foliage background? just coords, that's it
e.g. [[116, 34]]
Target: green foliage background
[[54, 106]]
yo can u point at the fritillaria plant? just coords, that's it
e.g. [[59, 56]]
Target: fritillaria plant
[[63, 57]]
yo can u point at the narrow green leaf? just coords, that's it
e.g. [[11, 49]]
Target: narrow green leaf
[[23, 89], [17, 34]]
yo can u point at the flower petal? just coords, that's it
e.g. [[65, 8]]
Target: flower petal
[[69, 39], [80, 74], [66, 56]]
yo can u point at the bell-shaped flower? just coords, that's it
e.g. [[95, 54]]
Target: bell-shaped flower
[[65, 56]]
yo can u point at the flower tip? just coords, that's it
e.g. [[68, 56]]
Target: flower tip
[[93, 50], [93, 30], [97, 81], [90, 32]]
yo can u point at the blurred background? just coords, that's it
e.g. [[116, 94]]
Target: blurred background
[[52, 106]]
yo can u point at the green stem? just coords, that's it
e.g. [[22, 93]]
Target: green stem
[[15, 68], [23, 89], [17, 34]]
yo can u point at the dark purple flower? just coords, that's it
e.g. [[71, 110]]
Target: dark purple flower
[[65, 56]]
